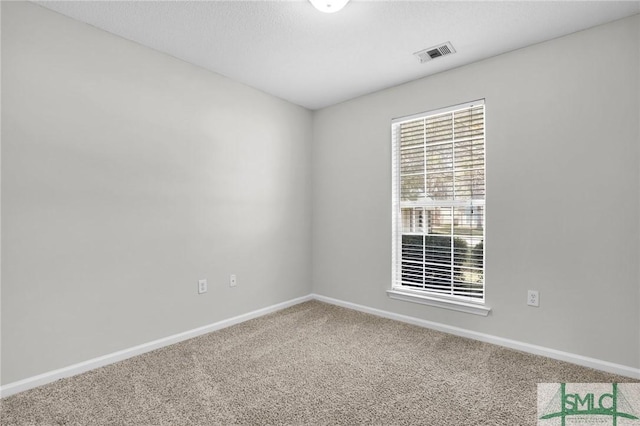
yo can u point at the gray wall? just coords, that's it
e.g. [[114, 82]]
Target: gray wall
[[127, 175], [563, 191]]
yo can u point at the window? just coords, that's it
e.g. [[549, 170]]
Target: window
[[439, 207]]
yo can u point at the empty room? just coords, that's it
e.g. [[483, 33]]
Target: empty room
[[338, 212]]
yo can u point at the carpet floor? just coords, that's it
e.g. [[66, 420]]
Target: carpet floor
[[311, 364]]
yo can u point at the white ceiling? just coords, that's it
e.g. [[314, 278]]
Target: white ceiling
[[313, 59]]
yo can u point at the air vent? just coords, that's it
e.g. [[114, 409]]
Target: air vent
[[434, 52]]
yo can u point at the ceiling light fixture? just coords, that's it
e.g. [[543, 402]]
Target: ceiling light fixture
[[329, 6]]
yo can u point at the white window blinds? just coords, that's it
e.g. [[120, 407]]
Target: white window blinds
[[439, 202]]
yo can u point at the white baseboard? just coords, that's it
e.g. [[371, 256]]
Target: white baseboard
[[584, 361], [72, 370]]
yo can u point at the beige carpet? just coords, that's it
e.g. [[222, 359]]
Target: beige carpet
[[314, 364]]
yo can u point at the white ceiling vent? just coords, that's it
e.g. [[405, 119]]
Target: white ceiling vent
[[434, 52]]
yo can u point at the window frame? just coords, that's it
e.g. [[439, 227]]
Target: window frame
[[406, 293]]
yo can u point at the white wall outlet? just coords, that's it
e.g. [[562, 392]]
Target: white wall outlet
[[533, 298], [202, 286], [233, 281]]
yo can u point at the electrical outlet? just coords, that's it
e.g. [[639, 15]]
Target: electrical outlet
[[233, 281], [202, 286], [533, 298]]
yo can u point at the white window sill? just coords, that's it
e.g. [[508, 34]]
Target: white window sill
[[455, 305]]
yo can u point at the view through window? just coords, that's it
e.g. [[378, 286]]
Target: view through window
[[439, 202]]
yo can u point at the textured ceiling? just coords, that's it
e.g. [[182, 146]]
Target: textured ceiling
[[313, 59]]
